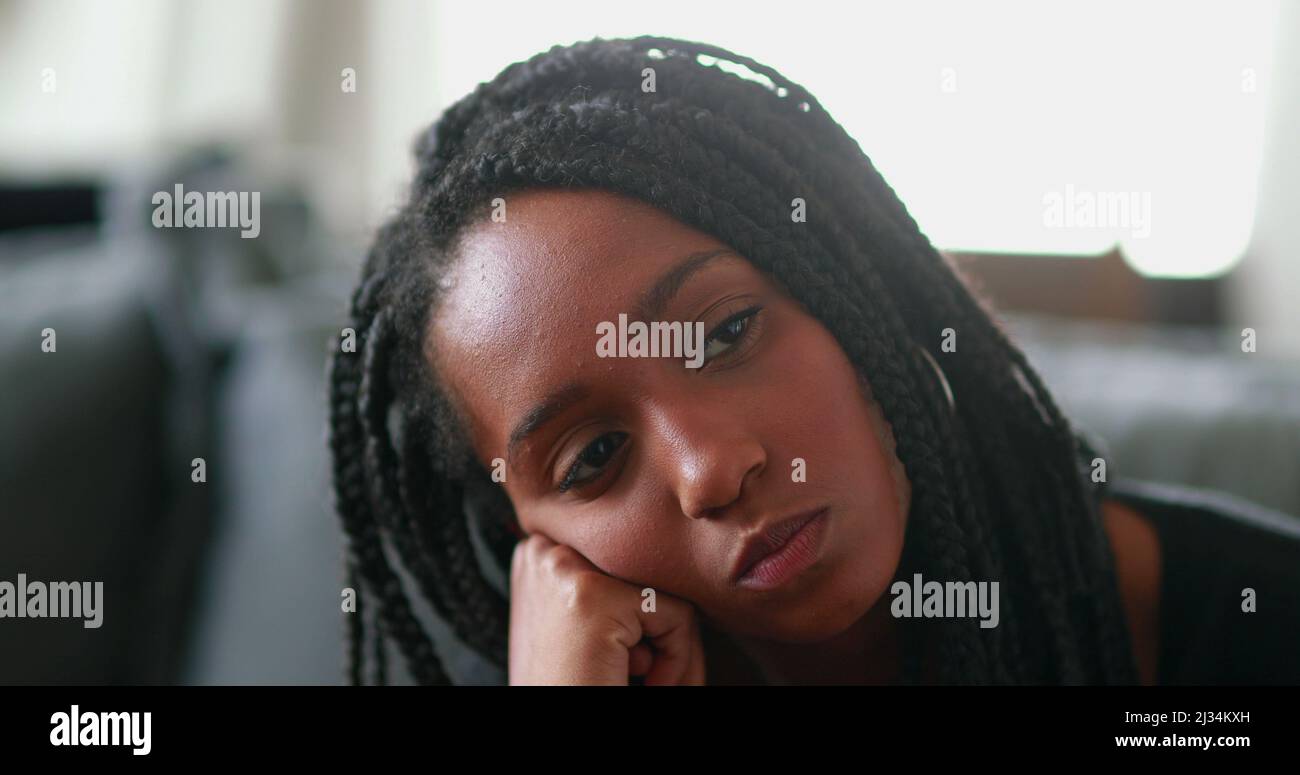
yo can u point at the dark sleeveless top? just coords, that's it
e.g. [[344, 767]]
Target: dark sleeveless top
[[1215, 549]]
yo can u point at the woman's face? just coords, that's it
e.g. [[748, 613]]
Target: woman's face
[[656, 472]]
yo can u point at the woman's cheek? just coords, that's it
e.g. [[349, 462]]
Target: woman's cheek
[[627, 549]]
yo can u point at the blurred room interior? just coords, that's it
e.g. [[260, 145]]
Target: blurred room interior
[[178, 344]]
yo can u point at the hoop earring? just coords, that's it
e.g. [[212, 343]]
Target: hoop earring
[[947, 389]]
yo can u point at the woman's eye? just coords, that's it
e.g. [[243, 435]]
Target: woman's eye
[[592, 459], [728, 334]]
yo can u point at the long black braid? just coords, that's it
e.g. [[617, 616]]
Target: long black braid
[[998, 494]]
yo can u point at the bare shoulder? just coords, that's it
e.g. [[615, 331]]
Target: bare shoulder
[[1135, 544]]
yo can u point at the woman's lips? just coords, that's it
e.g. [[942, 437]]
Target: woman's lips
[[794, 556]]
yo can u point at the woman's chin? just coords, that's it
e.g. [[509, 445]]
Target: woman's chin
[[797, 626]]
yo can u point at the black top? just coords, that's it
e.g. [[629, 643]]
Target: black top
[[1214, 547]]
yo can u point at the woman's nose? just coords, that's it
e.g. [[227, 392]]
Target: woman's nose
[[715, 456]]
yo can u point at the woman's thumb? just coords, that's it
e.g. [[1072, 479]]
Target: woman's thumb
[[672, 629]]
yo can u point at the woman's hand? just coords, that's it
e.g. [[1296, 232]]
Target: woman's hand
[[571, 623]]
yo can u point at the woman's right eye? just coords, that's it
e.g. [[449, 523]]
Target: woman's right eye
[[591, 461]]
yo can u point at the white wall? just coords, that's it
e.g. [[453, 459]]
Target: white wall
[[1266, 286]]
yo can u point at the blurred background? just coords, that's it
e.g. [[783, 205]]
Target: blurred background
[[1001, 126]]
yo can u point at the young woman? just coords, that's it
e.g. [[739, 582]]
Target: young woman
[[756, 509]]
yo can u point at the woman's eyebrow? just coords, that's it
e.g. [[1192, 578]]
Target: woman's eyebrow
[[652, 303], [543, 412]]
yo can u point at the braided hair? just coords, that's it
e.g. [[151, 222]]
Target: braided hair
[[998, 492]]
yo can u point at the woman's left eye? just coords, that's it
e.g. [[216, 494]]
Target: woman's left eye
[[729, 333], [592, 460]]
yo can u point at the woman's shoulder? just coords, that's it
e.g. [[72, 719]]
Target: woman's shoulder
[[1213, 579], [1135, 545], [1199, 526]]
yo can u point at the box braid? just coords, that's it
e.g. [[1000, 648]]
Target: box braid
[[998, 491]]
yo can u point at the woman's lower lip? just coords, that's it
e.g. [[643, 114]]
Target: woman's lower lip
[[801, 551]]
